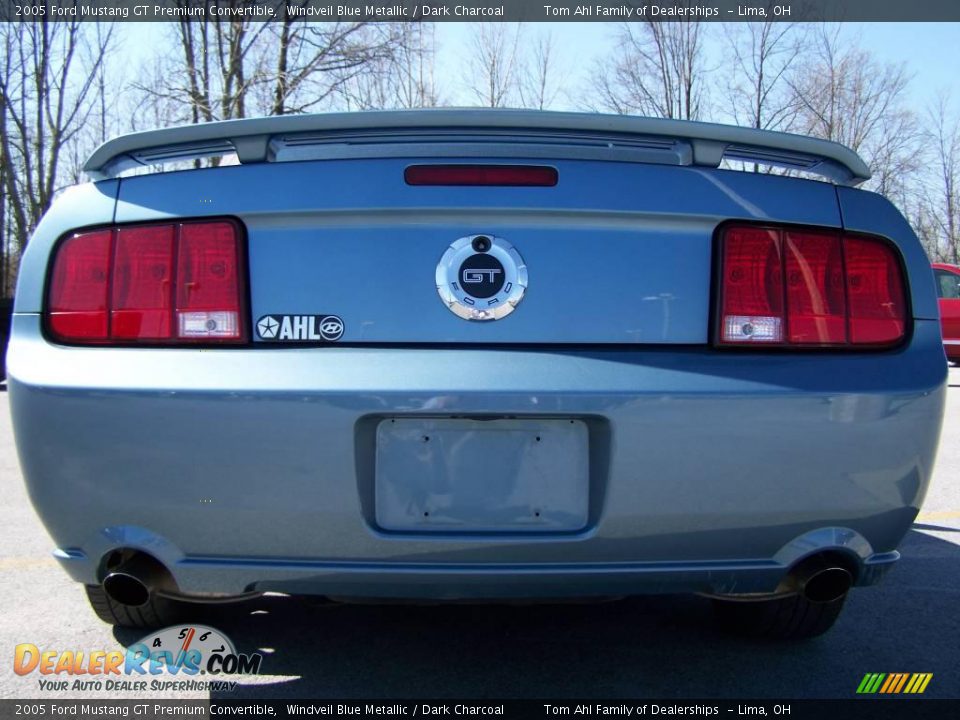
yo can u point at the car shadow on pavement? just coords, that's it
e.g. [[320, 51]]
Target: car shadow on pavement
[[654, 646]]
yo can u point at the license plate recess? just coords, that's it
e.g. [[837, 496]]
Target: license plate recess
[[472, 475]]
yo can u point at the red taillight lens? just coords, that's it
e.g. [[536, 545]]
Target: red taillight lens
[[805, 288], [79, 287], [142, 283], [816, 302], [161, 283], [504, 175], [876, 293], [752, 290], [208, 282]]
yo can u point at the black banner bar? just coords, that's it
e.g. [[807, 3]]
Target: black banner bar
[[483, 10], [855, 709]]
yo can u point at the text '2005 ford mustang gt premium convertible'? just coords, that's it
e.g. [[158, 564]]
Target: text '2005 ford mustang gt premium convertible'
[[481, 355]]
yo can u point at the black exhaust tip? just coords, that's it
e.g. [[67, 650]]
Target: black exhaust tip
[[125, 589]]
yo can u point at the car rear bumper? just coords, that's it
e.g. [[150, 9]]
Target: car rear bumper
[[254, 469], [197, 575]]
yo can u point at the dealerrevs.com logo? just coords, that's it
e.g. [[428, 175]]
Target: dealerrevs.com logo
[[183, 657]]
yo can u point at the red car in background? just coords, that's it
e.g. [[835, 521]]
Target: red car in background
[[948, 292]]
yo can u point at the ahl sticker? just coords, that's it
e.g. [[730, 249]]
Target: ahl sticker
[[300, 328]]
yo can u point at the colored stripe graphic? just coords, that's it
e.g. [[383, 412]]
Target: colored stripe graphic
[[918, 683], [892, 679], [894, 683], [870, 683]]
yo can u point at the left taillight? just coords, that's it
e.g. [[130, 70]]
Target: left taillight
[[162, 283]]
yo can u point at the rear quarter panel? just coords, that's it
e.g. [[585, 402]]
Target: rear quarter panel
[[79, 206], [868, 212]]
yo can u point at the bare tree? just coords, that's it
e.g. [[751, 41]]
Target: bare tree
[[938, 219], [6, 253], [844, 94], [656, 69], [104, 120], [230, 69], [6, 278], [48, 90], [539, 81], [144, 110], [405, 78], [314, 61], [414, 69], [492, 70], [207, 75], [762, 56]]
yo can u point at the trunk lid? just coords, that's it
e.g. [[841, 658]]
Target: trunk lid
[[614, 253]]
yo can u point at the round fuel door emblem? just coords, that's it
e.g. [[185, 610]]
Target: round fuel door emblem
[[481, 277]]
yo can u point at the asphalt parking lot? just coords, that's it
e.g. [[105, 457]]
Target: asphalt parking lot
[[656, 647]]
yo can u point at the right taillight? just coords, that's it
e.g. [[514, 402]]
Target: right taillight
[[162, 283], [808, 289]]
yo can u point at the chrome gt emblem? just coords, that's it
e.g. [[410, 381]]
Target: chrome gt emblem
[[481, 277]]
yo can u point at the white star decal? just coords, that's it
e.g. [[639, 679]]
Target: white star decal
[[267, 327]]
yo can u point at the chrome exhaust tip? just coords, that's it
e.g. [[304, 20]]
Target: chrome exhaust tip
[[819, 580], [827, 585]]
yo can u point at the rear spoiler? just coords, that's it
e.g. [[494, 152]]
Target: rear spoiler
[[477, 133]]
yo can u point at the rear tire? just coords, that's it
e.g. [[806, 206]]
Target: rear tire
[[787, 617], [157, 612]]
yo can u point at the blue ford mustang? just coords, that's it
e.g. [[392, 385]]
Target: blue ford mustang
[[465, 354]]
